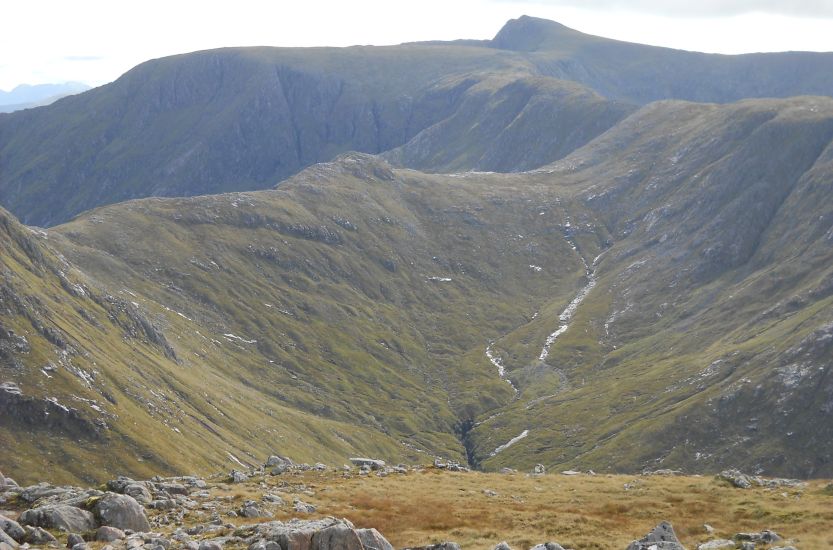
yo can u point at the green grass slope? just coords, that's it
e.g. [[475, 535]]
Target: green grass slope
[[706, 342], [349, 310]]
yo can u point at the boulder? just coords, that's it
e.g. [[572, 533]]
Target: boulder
[[119, 484], [718, 544], [373, 540], [303, 507], [539, 470], [548, 546], [73, 539], [662, 537], [7, 540], [372, 463], [210, 545], [174, 488], [504, 546], [59, 516], [121, 511], [38, 535], [766, 537], [238, 477], [43, 490], [12, 528], [106, 533], [139, 492], [336, 537], [80, 546], [439, 546]]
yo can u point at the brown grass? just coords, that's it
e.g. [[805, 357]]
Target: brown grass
[[582, 512]]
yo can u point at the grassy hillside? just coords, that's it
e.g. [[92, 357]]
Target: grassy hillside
[[682, 262]]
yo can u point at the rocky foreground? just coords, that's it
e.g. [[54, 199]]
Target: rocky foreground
[[194, 513]]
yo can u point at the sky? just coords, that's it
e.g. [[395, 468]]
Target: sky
[[95, 41]]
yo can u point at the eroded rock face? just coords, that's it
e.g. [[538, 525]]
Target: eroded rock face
[[122, 512], [662, 537], [61, 516]]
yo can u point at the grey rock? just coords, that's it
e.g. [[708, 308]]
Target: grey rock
[[7, 540], [548, 546], [121, 511], [278, 469], [766, 536], [210, 545], [106, 533], [274, 499], [238, 477], [372, 463], [747, 546], [163, 504], [539, 470], [504, 546], [60, 516], [717, 544], [783, 548], [191, 545], [303, 507], [662, 537], [439, 546], [174, 488], [80, 546], [139, 492], [12, 528], [336, 537], [7, 546], [38, 535], [119, 484], [73, 539], [42, 490], [373, 540], [295, 534], [250, 509], [745, 481]]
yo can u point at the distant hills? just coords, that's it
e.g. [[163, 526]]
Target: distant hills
[[26, 96], [245, 118], [527, 269]]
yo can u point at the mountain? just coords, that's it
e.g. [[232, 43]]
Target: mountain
[[26, 96], [527, 270], [677, 270], [240, 119]]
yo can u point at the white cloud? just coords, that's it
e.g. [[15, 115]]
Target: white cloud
[[702, 8], [95, 41]]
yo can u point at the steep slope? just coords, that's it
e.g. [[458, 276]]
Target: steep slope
[[342, 310], [508, 124], [705, 340], [245, 118], [661, 296], [95, 384]]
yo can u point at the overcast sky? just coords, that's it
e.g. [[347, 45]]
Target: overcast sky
[[95, 41]]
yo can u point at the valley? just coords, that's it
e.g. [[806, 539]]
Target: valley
[[501, 253]]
